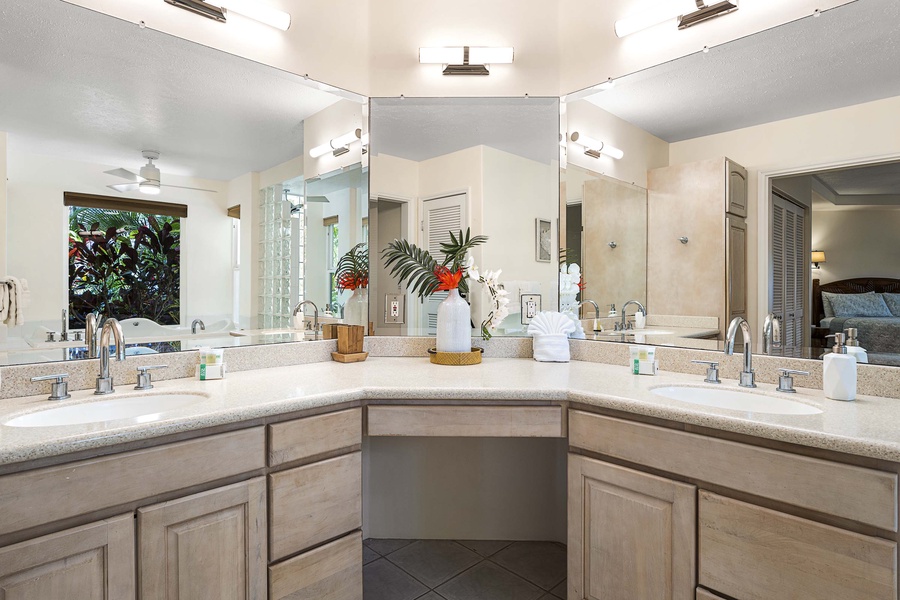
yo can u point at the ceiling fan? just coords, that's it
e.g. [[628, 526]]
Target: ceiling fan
[[148, 181]]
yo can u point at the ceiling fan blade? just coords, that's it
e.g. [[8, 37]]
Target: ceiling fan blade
[[125, 174], [125, 187], [183, 187]]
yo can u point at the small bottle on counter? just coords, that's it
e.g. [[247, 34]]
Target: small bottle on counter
[[853, 347], [839, 372]]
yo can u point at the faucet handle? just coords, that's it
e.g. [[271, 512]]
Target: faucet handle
[[145, 379], [712, 373], [786, 380], [59, 390]]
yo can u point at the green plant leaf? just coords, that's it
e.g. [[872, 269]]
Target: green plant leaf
[[411, 265], [456, 249]]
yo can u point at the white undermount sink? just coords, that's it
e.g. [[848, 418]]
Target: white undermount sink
[[134, 409], [736, 400]]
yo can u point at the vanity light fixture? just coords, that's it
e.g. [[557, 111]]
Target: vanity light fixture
[[337, 146], [818, 256], [466, 60], [594, 148], [252, 9], [689, 13]]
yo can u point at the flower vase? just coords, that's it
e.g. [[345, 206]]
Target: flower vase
[[356, 309], [454, 331]]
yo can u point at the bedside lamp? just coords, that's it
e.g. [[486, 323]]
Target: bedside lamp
[[818, 256]]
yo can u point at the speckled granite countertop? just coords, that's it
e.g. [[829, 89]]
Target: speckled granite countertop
[[866, 427]]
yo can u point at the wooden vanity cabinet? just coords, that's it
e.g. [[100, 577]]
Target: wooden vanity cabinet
[[631, 534]]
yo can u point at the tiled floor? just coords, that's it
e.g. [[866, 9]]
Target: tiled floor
[[463, 570]]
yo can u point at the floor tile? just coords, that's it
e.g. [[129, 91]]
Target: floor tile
[[369, 555], [560, 590], [484, 547], [487, 581], [382, 580], [433, 561], [541, 563], [385, 547], [428, 596]]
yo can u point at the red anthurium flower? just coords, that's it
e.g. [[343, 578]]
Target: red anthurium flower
[[581, 283], [449, 279]]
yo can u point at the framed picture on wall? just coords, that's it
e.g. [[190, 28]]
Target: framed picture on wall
[[542, 240]]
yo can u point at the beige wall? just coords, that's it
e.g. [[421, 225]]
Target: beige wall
[[858, 242], [849, 135], [3, 138]]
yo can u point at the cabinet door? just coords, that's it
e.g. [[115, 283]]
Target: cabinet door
[[92, 562], [209, 546], [631, 535]]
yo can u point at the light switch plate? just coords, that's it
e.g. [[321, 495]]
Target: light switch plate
[[394, 309], [530, 306]]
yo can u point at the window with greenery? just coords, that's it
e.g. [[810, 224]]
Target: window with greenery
[[332, 256], [124, 264]]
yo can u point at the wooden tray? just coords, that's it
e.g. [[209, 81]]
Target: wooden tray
[[473, 357]]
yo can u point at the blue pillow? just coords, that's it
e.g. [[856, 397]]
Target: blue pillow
[[893, 303], [860, 305]]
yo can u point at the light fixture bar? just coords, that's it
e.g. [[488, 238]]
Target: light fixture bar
[[199, 7], [707, 12], [466, 60], [337, 146], [683, 14], [595, 148]]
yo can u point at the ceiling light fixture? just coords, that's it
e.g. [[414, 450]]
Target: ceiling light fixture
[[251, 9], [150, 174], [594, 148], [466, 60], [683, 14], [337, 146]]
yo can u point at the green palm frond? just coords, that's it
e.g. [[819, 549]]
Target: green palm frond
[[413, 265], [456, 249], [355, 262]]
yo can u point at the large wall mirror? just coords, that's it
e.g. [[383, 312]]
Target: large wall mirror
[[770, 165], [246, 221], [441, 165]]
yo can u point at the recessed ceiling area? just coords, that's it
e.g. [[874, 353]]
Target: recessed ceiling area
[[845, 56], [422, 128], [86, 86], [868, 186]]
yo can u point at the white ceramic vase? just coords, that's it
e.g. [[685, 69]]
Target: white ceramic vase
[[454, 332], [356, 310]]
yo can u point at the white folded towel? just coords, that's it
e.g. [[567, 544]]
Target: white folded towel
[[4, 300]]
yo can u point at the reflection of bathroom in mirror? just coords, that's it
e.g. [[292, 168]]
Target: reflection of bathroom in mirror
[[447, 164], [680, 119], [236, 171]]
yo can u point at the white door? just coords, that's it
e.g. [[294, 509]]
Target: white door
[[790, 261], [440, 216]]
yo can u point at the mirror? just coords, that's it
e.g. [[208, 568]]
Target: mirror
[[243, 198], [763, 114], [447, 164]]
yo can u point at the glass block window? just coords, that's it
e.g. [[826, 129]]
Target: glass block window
[[280, 257]]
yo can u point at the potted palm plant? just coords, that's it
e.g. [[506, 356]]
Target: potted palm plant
[[352, 273]]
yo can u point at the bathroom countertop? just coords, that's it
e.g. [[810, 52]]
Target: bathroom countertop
[[661, 335], [866, 427]]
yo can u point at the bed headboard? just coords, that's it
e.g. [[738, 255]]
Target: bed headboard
[[859, 285]]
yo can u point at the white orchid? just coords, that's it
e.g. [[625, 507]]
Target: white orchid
[[499, 299]]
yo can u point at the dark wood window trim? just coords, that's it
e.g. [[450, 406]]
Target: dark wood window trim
[[151, 207]]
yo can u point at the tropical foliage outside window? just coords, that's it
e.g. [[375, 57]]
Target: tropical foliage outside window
[[124, 265]]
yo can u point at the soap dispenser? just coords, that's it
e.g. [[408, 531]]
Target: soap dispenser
[[839, 371], [853, 347]]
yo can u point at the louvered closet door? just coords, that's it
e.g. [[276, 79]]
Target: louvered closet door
[[789, 262], [441, 216]]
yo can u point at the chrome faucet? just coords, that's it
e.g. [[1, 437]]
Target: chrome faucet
[[771, 333], [90, 334], [640, 307], [748, 377], [194, 326], [64, 332], [299, 308], [105, 380], [596, 308]]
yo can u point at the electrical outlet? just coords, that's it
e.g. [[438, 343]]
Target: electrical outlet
[[393, 308], [530, 306]]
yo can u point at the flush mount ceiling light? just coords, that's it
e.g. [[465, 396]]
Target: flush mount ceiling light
[[337, 146], [466, 60], [683, 14], [251, 9], [595, 148]]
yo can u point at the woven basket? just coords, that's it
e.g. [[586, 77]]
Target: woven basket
[[473, 357]]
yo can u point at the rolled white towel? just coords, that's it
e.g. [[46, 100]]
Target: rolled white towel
[[14, 316], [4, 300]]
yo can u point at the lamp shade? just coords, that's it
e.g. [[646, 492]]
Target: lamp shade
[[818, 256]]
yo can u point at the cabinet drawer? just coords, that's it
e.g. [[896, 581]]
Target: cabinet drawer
[[707, 595], [864, 495], [51, 494], [314, 503], [313, 436], [467, 421], [330, 572], [754, 553]]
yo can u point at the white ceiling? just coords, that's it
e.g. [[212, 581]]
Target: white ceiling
[[422, 128], [873, 185], [87, 86], [847, 55]]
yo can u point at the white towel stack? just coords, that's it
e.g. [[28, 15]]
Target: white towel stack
[[14, 297], [551, 331]]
